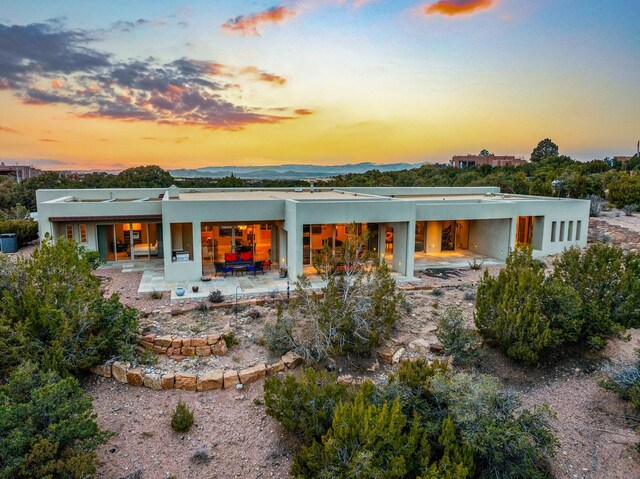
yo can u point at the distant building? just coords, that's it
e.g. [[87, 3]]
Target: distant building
[[491, 160], [19, 172], [622, 159]]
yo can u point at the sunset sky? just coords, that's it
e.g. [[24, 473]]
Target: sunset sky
[[108, 85]]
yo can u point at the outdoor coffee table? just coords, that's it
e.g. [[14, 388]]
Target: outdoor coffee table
[[239, 270]]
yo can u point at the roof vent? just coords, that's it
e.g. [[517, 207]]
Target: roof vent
[[174, 192]]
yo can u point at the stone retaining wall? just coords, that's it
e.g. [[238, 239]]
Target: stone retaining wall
[[178, 347], [206, 381]]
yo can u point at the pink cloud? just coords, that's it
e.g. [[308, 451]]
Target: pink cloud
[[458, 7]]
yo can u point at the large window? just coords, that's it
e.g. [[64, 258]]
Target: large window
[[83, 233], [70, 232]]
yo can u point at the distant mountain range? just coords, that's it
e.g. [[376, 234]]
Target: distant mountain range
[[288, 172]]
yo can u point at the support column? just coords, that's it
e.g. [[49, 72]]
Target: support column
[[403, 246], [282, 246], [294, 251]]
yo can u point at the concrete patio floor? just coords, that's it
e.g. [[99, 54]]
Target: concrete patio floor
[[451, 259], [153, 279]]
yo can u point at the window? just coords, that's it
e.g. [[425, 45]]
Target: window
[[70, 232], [570, 231], [553, 231], [524, 231], [578, 225], [181, 241], [83, 233], [561, 231]]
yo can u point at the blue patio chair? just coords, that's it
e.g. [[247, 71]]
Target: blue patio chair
[[258, 267], [222, 269]]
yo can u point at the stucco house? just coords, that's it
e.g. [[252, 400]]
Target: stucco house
[[191, 229]]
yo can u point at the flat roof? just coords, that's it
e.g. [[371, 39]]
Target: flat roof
[[474, 197], [265, 195]]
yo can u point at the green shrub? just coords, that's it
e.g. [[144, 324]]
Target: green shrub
[[624, 190], [182, 418], [52, 312], [417, 374], [508, 310], [304, 405], [457, 339], [507, 440], [47, 427], [371, 440], [230, 339], [26, 230], [608, 285]]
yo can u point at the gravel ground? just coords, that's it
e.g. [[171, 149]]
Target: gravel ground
[[618, 218], [236, 434]]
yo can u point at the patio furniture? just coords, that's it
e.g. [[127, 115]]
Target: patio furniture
[[239, 270], [258, 267], [222, 269], [238, 259]]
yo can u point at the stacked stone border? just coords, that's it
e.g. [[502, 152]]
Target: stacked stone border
[[178, 347], [206, 381]]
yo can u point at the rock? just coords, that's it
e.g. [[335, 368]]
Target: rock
[[419, 346], [135, 377], [103, 370], [152, 381], [374, 367], [397, 355], [212, 339], [210, 380], [119, 371], [146, 344], [187, 382], [252, 374], [346, 379], [275, 368], [203, 350], [220, 348], [292, 360], [230, 378], [164, 341], [176, 343], [195, 342], [430, 328], [160, 349], [386, 355], [149, 338], [188, 350], [186, 342], [436, 348], [167, 381]]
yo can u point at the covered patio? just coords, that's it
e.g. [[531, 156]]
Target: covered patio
[[451, 259], [153, 279]]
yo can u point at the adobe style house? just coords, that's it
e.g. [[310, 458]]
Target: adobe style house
[[192, 229], [491, 160]]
